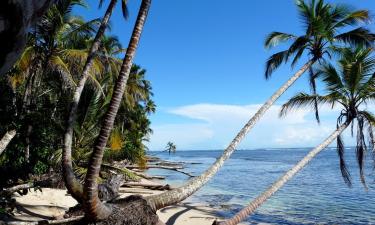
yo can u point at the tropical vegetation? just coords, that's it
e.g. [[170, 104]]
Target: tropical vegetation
[[37, 91], [75, 102]]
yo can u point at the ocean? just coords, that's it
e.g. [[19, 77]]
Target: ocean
[[316, 195]]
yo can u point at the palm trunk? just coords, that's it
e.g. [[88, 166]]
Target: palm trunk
[[179, 194], [26, 108], [27, 140], [94, 208], [248, 210], [72, 183], [6, 139]]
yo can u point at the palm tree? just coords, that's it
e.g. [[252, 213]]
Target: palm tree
[[94, 208], [170, 147], [350, 87], [323, 22], [73, 185], [45, 56], [130, 128]]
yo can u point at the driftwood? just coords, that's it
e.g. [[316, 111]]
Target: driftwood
[[155, 167], [148, 186], [166, 163], [6, 139], [124, 171], [174, 168], [148, 177], [17, 188], [128, 171], [21, 187], [186, 173]]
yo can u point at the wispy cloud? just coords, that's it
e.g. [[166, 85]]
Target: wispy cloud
[[214, 126]]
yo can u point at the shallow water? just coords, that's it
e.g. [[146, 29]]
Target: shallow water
[[317, 195]]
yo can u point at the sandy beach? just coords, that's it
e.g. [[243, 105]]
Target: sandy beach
[[52, 203]]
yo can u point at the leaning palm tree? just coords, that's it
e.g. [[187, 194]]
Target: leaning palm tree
[[323, 23], [350, 87], [94, 208], [170, 147], [72, 183]]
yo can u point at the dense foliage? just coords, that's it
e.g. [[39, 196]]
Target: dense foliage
[[37, 92]]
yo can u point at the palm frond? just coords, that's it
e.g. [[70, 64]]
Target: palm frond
[[361, 149], [275, 61], [312, 82], [359, 36], [26, 58], [303, 100], [331, 78], [276, 38], [124, 8], [61, 67], [343, 168], [354, 18], [101, 3]]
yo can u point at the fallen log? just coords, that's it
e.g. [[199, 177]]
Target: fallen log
[[124, 171], [155, 167], [134, 173], [174, 168], [149, 177], [148, 186], [186, 173], [21, 187]]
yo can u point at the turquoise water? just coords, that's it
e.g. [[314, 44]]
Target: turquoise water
[[317, 195]]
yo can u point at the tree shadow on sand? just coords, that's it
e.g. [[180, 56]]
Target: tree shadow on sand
[[186, 208]]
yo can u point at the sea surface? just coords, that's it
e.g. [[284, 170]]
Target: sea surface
[[316, 195]]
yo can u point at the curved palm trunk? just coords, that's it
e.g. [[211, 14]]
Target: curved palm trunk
[[6, 139], [94, 208], [73, 185], [248, 210], [177, 195]]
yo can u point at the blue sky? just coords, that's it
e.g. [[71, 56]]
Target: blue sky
[[205, 59]]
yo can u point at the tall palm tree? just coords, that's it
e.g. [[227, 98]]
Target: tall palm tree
[[350, 87], [94, 208], [323, 23], [170, 147], [73, 185]]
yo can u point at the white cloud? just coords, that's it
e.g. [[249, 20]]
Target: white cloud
[[213, 113], [217, 124], [186, 136]]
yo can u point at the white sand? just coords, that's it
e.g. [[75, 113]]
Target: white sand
[[52, 204]]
